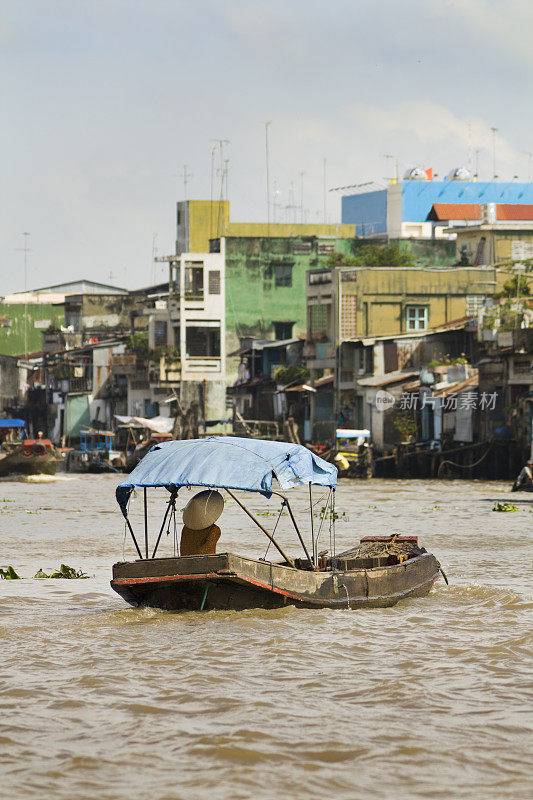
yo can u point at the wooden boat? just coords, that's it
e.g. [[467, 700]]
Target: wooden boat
[[378, 572], [30, 457], [96, 453]]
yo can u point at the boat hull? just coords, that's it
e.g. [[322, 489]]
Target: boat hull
[[18, 464], [228, 581]]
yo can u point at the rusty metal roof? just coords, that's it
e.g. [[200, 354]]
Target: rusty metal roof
[[389, 378]]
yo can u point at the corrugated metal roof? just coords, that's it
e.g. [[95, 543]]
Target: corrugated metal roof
[[386, 380]]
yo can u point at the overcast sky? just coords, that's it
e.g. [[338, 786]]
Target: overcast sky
[[103, 103]]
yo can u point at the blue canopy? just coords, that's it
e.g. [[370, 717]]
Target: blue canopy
[[227, 462], [12, 423]]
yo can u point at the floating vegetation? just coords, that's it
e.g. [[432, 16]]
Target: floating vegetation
[[64, 571], [436, 508], [8, 574], [270, 513], [332, 515], [499, 506]]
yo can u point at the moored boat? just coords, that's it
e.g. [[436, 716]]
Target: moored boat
[[378, 572], [26, 457]]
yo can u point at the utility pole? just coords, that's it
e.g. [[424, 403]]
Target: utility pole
[[26, 249], [494, 132], [267, 175]]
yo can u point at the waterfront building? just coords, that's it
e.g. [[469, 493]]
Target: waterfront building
[[360, 323], [200, 221], [400, 211]]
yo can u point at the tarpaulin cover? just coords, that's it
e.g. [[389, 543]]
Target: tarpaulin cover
[[228, 462], [12, 423], [156, 424]]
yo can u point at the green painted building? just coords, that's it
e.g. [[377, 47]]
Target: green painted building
[[266, 286], [22, 325]]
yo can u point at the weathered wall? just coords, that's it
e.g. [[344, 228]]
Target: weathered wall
[[16, 318], [253, 301], [384, 293], [202, 220], [9, 382], [498, 242]]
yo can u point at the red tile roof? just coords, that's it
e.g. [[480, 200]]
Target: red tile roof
[[445, 211], [514, 211], [472, 211]]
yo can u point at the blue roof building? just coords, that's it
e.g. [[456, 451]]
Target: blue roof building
[[401, 210]]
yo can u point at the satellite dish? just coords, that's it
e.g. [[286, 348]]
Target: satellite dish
[[415, 174], [459, 174]]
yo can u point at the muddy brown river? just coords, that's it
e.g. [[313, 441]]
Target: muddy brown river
[[429, 699]]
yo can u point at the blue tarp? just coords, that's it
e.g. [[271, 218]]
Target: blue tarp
[[12, 423], [228, 462]]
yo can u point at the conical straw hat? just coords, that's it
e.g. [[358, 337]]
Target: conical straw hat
[[203, 509]]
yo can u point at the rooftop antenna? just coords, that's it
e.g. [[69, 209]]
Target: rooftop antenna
[[476, 173], [221, 143], [324, 192], [185, 175], [275, 203], [529, 157], [302, 197], [154, 253], [213, 151], [267, 176], [494, 132], [226, 176]]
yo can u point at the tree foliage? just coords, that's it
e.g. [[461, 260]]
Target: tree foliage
[[373, 255], [286, 375]]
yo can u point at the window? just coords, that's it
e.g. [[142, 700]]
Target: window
[[160, 332], [416, 318], [214, 281], [283, 274], [202, 342], [301, 248], [283, 330], [319, 319], [194, 280], [326, 247]]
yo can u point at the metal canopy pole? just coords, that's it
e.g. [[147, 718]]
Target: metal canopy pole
[[315, 555], [276, 545], [145, 523], [171, 504], [300, 537], [133, 537]]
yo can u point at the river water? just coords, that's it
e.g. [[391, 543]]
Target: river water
[[429, 699]]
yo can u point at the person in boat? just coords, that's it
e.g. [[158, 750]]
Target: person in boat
[[525, 478], [200, 534]]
